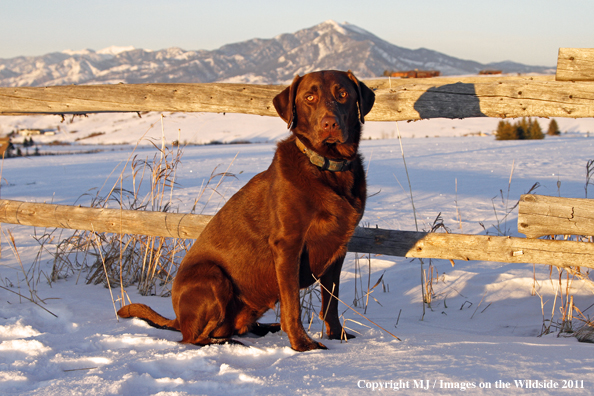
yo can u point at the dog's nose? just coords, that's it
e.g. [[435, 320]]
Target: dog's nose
[[329, 124]]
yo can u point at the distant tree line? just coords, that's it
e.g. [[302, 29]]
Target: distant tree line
[[526, 128], [15, 150], [28, 142]]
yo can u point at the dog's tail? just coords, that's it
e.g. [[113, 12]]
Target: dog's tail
[[145, 313]]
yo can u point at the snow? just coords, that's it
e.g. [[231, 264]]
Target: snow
[[114, 50], [108, 52], [77, 52], [333, 25], [483, 325], [202, 128]]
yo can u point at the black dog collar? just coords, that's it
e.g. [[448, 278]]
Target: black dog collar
[[322, 162]]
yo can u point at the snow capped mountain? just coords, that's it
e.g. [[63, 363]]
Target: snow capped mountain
[[329, 45], [114, 50]]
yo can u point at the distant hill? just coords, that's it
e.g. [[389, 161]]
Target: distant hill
[[329, 45]]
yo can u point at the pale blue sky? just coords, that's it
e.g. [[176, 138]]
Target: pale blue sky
[[525, 31]]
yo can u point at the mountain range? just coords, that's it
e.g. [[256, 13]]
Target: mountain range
[[329, 45]]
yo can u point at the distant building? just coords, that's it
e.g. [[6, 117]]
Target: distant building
[[476, 134], [413, 73], [490, 72], [33, 131], [29, 132]]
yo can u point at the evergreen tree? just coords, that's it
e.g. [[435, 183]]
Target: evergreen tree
[[553, 128], [506, 131], [534, 130], [28, 142], [526, 128], [523, 128]]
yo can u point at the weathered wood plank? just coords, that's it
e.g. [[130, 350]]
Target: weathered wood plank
[[4, 143], [173, 225], [503, 99], [406, 100], [385, 83], [540, 215], [575, 64], [68, 99], [472, 247], [365, 240]]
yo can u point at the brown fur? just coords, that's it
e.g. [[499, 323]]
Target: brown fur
[[284, 229]]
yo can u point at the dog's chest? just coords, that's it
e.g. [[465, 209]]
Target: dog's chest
[[333, 220], [330, 230]]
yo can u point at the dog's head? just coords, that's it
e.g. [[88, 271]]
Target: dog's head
[[326, 110]]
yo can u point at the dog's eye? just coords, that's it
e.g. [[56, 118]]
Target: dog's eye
[[310, 98], [343, 94]]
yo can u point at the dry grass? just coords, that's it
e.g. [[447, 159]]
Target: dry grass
[[121, 259], [589, 174], [586, 332], [148, 262], [362, 294], [565, 317], [311, 297]]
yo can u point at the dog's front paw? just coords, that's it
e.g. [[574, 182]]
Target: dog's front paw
[[307, 345], [339, 334]]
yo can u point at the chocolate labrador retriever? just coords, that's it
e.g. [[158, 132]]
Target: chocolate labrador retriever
[[286, 228]]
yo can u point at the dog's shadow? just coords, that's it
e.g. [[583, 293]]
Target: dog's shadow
[[457, 100]]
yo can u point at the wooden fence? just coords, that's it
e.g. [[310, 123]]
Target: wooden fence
[[568, 94], [539, 216]]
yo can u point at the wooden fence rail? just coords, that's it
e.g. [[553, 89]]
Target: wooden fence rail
[[174, 225], [575, 64], [540, 215], [365, 240], [396, 100]]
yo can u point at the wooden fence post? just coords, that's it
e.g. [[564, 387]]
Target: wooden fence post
[[575, 64]]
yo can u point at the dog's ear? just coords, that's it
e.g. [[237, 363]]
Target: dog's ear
[[284, 103], [366, 97]]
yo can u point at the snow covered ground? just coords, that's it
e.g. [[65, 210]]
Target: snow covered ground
[[480, 335], [203, 128]]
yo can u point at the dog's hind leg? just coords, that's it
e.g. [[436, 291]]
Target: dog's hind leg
[[205, 305], [261, 329]]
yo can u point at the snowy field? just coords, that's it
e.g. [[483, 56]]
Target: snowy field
[[203, 128], [480, 335]]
